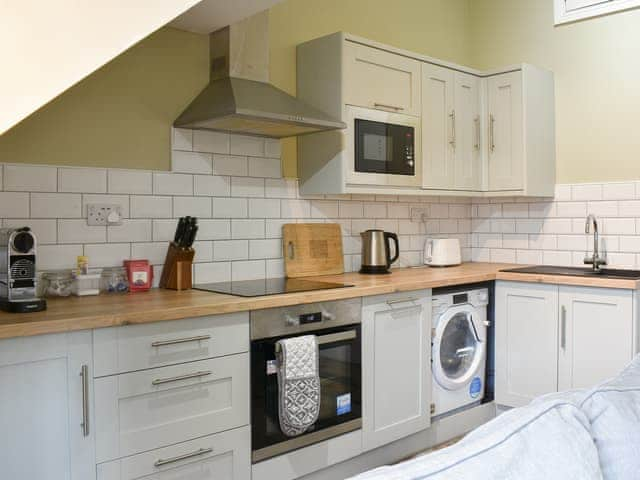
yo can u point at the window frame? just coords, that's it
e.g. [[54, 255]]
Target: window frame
[[563, 16]]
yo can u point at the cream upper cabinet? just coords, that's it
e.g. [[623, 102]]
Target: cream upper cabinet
[[381, 80], [505, 131], [438, 129], [468, 133]]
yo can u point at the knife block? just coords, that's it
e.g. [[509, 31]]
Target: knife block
[[178, 267]]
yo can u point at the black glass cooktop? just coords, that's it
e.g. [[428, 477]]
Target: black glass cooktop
[[270, 286]]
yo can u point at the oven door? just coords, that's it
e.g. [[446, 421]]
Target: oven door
[[385, 148], [340, 392]]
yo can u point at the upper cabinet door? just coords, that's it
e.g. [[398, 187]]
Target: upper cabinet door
[[467, 164], [596, 335], [438, 127], [381, 80], [506, 150], [46, 408]]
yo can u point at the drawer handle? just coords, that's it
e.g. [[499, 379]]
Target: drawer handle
[[161, 381], [180, 340], [165, 461], [402, 300], [390, 107]]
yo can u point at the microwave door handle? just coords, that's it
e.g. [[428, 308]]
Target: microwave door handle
[[336, 337]]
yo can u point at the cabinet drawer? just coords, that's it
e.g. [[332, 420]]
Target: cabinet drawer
[[224, 456], [141, 411], [381, 80], [137, 347]]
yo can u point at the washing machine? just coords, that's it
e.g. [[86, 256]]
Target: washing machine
[[458, 350]]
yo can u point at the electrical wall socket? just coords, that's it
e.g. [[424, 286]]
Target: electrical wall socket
[[102, 214], [419, 215]]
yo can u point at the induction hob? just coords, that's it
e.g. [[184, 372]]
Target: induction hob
[[269, 286]]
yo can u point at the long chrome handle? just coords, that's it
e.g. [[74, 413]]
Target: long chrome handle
[[563, 327], [402, 300], [476, 122], [84, 374], [452, 116], [165, 461], [391, 107], [336, 337], [160, 381], [492, 121], [180, 340]]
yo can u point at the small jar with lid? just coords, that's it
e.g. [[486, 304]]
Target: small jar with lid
[[114, 280], [57, 284]]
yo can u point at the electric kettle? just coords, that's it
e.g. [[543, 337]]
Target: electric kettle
[[376, 251]]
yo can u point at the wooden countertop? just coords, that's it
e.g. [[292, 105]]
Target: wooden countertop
[[69, 314]]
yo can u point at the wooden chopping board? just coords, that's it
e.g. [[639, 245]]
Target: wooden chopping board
[[312, 249]]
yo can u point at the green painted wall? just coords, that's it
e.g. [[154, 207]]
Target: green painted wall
[[120, 116]]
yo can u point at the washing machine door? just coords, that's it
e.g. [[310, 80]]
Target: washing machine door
[[457, 348]]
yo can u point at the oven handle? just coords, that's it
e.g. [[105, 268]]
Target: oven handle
[[336, 337]]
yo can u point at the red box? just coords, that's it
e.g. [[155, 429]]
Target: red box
[[139, 274]]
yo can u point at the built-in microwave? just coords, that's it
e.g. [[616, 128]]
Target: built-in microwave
[[385, 146]]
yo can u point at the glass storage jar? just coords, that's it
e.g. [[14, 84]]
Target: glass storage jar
[[57, 284], [114, 280]]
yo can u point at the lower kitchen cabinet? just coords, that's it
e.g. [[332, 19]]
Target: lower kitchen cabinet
[[45, 408], [553, 338], [224, 456], [396, 376]]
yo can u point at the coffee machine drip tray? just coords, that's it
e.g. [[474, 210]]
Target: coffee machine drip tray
[[269, 286]]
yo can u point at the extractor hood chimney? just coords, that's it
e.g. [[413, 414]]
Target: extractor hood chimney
[[239, 98]]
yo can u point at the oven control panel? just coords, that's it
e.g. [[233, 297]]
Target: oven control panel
[[315, 317]]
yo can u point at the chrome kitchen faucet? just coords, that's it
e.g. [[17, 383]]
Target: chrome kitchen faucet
[[595, 260]]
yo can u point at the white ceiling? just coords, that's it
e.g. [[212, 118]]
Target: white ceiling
[[210, 15]]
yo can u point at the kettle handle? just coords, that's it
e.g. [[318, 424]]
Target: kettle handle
[[428, 251], [394, 237]]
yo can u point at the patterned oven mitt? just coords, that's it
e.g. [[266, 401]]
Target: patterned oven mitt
[[298, 384]]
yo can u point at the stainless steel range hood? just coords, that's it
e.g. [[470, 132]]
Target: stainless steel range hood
[[239, 98]]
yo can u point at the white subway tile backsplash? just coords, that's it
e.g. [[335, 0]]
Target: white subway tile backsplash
[[272, 148], [30, 178], [295, 209], [273, 228], [324, 209], [231, 250], [629, 244], [266, 248], [629, 208], [588, 191], [46, 231], [515, 210], [155, 252], [199, 207], [230, 207], [542, 210], [130, 181], [399, 210], [543, 242], [572, 242], [246, 145], [264, 208], [211, 142], [77, 231], [58, 257], [557, 225], [121, 200], [212, 230], [204, 251], [503, 256], [281, 188], [192, 162], [618, 226], [172, 184], [247, 187], [603, 209], [182, 139], [108, 254], [249, 270], [551, 257], [1, 177], [56, 205], [151, 207], [212, 272], [619, 191], [211, 186], [375, 210], [532, 257], [518, 241], [571, 209], [230, 165], [275, 268], [351, 209], [563, 193], [246, 229], [130, 231], [14, 205], [82, 180], [265, 167]]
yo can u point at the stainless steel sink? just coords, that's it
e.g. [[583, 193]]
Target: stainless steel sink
[[578, 272]]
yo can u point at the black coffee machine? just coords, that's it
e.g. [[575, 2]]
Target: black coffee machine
[[18, 277]]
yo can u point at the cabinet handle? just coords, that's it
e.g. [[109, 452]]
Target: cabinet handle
[[391, 107], [160, 381], [476, 122], [84, 374], [402, 300], [563, 327], [180, 340], [492, 121], [452, 116], [165, 461]]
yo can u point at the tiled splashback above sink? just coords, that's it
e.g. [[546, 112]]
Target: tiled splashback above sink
[[233, 184]]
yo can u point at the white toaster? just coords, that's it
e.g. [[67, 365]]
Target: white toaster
[[442, 252]]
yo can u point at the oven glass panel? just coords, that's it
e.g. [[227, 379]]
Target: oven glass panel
[[384, 148], [340, 386]]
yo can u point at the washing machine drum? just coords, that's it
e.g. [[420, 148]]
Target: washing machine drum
[[457, 350]]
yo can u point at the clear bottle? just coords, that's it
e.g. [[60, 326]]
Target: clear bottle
[[114, 280]]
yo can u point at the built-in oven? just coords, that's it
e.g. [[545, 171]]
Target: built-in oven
[[386, 147], [337, 328]]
